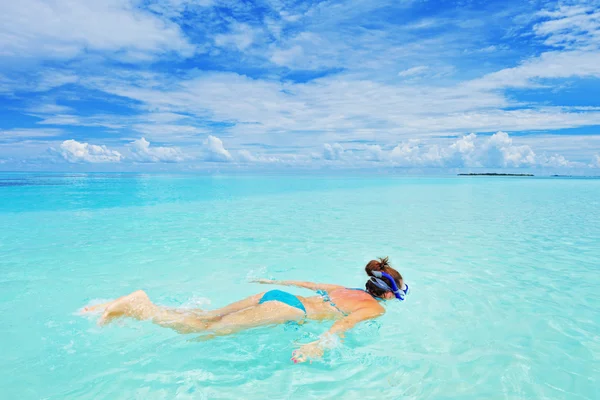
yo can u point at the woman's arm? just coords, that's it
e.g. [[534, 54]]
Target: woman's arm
[[316, 349], [307, 285]]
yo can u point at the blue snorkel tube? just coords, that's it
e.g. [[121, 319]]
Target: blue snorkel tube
[[397, 292]]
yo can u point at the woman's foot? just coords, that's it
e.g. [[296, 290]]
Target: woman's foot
[[136, 305]]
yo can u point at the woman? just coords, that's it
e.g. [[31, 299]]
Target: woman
[[346, 306]]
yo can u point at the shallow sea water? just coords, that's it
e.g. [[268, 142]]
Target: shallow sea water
[[504, 277]]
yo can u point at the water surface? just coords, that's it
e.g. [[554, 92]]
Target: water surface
[[503, 273]]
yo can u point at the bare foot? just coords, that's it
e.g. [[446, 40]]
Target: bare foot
[[136, 305]]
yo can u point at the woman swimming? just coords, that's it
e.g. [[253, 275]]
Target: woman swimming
[[346, 306]]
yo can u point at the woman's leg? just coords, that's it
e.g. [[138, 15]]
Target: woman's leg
[[189, 321], [268, 313], [231, 308], [137, 305], [205, 314]]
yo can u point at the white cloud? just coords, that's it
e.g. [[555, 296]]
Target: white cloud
[[274, 27], [6, 84], [596, 161], [141, 151], [375, 153], [64, 29], [165, 131], [465, 144], [499, 151], [38, 81], [67, 119], [358, 99], [240, 37], [44, 80], [308, 50], [333, 152], [573, 29], [175, 8], [570, 27], [340, 109], [407, 152], [290, 17], [247, 157], [413, 154], [490, 49], [76, 152], [556, 161], [414, 71], [215, 150], [287, 57], [549, 65], [24, 134], [51, 79], [49, 108]]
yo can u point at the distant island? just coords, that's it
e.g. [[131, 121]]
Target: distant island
[[576, 176], [493, 174]]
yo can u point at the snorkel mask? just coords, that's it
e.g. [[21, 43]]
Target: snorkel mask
[[380, 283]]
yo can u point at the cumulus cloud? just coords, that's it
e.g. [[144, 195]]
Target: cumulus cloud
[[407, 153], [375, 153], [333, 152], [596, 161], [141, 151], [461, 152], [247, 157], [215, 150], [555, 161], [354, 98], [412, 153], [497, 150], [76, 152]]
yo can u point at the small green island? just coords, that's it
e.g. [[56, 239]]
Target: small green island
[[493, 174]]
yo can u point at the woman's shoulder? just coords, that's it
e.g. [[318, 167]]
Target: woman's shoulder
[[351, 291], [358, 298]]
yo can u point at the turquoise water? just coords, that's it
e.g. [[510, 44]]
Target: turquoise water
[[504, 274]]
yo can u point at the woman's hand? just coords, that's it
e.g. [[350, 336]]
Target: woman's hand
[[309, 351]]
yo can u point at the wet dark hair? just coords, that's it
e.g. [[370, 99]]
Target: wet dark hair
[[382, 264]]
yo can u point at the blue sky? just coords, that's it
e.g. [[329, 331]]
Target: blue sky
[[201, 84]]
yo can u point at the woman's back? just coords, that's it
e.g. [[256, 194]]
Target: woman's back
[[338, 303]]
